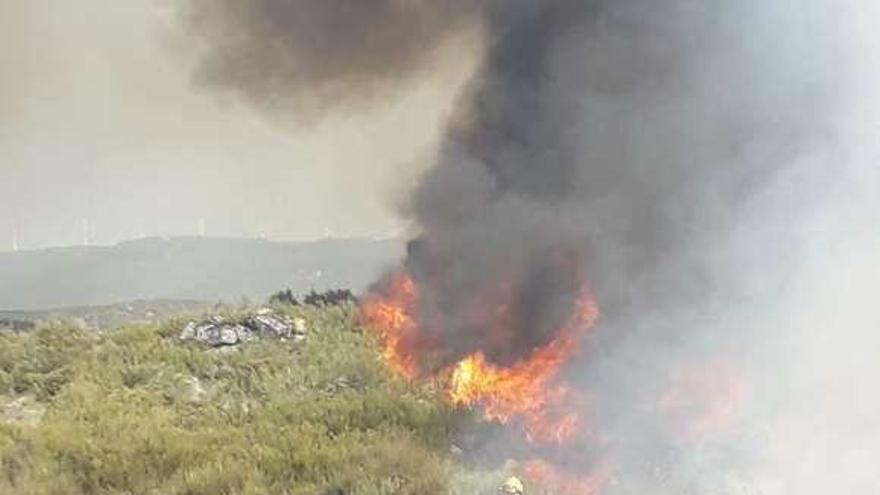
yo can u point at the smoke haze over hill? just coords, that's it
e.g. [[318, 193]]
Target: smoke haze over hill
[[202, 269], [100, 124]]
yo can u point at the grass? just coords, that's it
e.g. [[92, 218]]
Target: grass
[[133, 411]]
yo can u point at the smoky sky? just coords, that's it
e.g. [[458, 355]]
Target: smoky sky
[[306, 56], [102, 123]]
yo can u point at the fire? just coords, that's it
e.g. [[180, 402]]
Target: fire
[[388, 314], [505, 394], [526, 392]]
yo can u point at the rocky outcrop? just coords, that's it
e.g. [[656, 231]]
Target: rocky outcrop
[[266, 324]]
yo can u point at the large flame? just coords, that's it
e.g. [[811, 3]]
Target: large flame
[[527, 392], [388, 314]]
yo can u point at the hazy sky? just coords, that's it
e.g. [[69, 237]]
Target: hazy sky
[[100, 121]]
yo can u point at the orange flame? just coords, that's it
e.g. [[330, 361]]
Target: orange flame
[[526, 389], [388, 315], [526, 392], [699, 401]]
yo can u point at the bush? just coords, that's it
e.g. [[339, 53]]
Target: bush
[[134, 411], [40, 363]]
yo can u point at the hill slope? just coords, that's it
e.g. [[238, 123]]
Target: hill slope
[[187, 268], [136, 411]]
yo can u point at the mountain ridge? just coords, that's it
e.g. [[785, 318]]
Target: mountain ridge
[[188, 268]]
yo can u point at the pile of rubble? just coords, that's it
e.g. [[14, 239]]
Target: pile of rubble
[[219, 332]]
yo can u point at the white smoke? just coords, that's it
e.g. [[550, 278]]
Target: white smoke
[[824, 436]]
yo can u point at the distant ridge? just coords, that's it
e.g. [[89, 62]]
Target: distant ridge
[[187, 268]]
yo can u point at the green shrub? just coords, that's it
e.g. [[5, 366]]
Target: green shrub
[[136, 412], [40, 362]]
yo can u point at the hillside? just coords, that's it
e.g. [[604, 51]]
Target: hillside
[[205, 269], [105, 317], [137, 411]]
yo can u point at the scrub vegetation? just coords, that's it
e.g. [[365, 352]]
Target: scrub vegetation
[[134, 411]]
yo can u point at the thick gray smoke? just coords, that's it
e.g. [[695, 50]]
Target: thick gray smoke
[[624, 130], [637, 135], [667, 151], [304, 57]]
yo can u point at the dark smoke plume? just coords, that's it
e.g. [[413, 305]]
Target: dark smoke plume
[[305, 56], [617, 140], [626, 131]]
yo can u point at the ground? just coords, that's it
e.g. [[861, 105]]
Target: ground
[[134, 411]]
